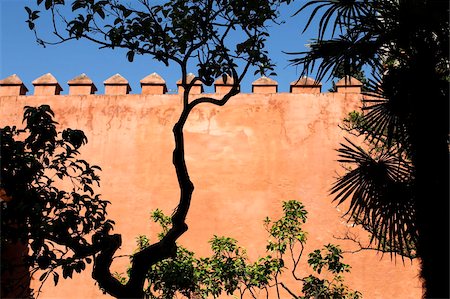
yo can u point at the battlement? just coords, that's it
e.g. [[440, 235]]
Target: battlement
[[154, 84]]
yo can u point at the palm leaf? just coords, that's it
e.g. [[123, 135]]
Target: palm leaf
[[340, 12], [387, 113], [346, 52], [380, 193]]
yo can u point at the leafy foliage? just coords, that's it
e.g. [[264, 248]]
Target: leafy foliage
[[229, 270], [287, 231], [49, 199], [330, 257]]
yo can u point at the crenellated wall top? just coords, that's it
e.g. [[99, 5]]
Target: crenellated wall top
[[154, 84]]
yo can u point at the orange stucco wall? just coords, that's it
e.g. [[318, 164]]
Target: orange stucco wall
[[244, 159]]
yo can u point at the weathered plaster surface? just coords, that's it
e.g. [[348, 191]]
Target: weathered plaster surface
[[244, 159]]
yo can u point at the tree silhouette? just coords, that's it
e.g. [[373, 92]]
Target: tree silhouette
[[55, 223], [223, 38], [398, 188]]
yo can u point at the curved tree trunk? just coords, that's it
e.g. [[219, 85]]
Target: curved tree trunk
[[143, 260]]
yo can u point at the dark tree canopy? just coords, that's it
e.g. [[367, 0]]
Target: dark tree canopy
[[60, 225], [217, 35], [399, 183]]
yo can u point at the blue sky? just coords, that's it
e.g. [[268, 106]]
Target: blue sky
[[21, 55]]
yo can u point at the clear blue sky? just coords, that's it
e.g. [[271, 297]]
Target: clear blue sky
[[21, 55]]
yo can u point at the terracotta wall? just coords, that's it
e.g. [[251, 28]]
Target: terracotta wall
[[244, 159]]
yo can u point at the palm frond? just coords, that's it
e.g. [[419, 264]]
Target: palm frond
[[387, 113], [342, 13], [381, 199], [343, 52]]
